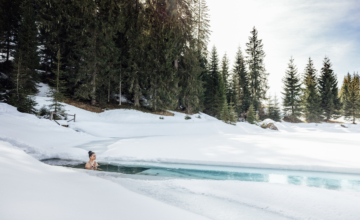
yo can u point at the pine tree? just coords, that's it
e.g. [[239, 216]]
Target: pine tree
[[26, 61], [202, 25], [292, 92], [220, 95], [276, 110], [190, 83], [92, 33], [56, 92], [225, 74], [329, 99], [311, 98], [224, 114], [350, 96], [251, 117], [257, 74], [232, 114], [11, 18], [215, 88], [270, 107], [244, 94]]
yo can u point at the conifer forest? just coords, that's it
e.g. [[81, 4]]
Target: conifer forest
[[154, 55]]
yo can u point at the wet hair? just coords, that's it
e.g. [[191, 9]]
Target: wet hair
[[91, 153]]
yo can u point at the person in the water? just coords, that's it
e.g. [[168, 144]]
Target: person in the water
[[92, 164]]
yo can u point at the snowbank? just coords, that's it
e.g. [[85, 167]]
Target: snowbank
[[32, 190]]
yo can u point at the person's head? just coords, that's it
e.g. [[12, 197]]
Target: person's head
[[92, 155]]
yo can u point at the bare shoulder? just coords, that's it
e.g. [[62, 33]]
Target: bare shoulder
[[87, 166]]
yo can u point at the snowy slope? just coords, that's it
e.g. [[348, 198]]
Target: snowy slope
[[32, 190], [144, 138]]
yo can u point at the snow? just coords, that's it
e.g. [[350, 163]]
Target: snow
[[3, 75], [247, 200], [32, 190], [133, 137], [43, 90], [208, 141]]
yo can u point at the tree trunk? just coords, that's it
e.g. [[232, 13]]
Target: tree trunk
[[120, 89], [17, 81], [93, 93], [109, 91], [58, 70], [137, 95]]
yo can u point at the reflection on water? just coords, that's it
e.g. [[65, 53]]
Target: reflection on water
[[345, 182]]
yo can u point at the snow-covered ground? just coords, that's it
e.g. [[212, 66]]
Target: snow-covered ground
[[32, 190], [143, 138]]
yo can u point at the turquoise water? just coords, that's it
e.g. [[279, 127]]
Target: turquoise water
[[333, 181]]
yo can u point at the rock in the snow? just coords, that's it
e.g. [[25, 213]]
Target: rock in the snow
[[271, 126]]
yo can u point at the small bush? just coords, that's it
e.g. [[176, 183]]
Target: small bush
[[198, 117], [44, 112], [162, 118], [187, 117]]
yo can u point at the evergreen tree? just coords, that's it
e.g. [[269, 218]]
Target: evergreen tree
[[202, 25], [270, 108], [191, 85], [311, 98], [224, 114], [56, 92], [11, 11], [251, 117], [225, 74], [350, 96], [329, 99], [232, 114], [26, 61], [93, 32], [257, 74], [244, 95], [220, 96], [276, 114], [215, 88], [292, 92]]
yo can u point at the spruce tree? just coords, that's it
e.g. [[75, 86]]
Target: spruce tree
[[311, 98], [270, 108], [276, 114], [329, 98], [292, 92], [56, 92], [232, 114], [11, 18], [224, 114], [220, 96], [226, 76], [257, 74], [244, 94], [215, 88], [26, 61], [251, 117], [350, 96], [202, 26]]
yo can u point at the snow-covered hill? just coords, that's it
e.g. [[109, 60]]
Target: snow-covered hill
[[129, 136]]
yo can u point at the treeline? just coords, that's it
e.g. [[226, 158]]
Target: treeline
[[317, 98], [153, 54], [150, 52]]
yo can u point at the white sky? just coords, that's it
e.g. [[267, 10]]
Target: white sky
[[297, 28]]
